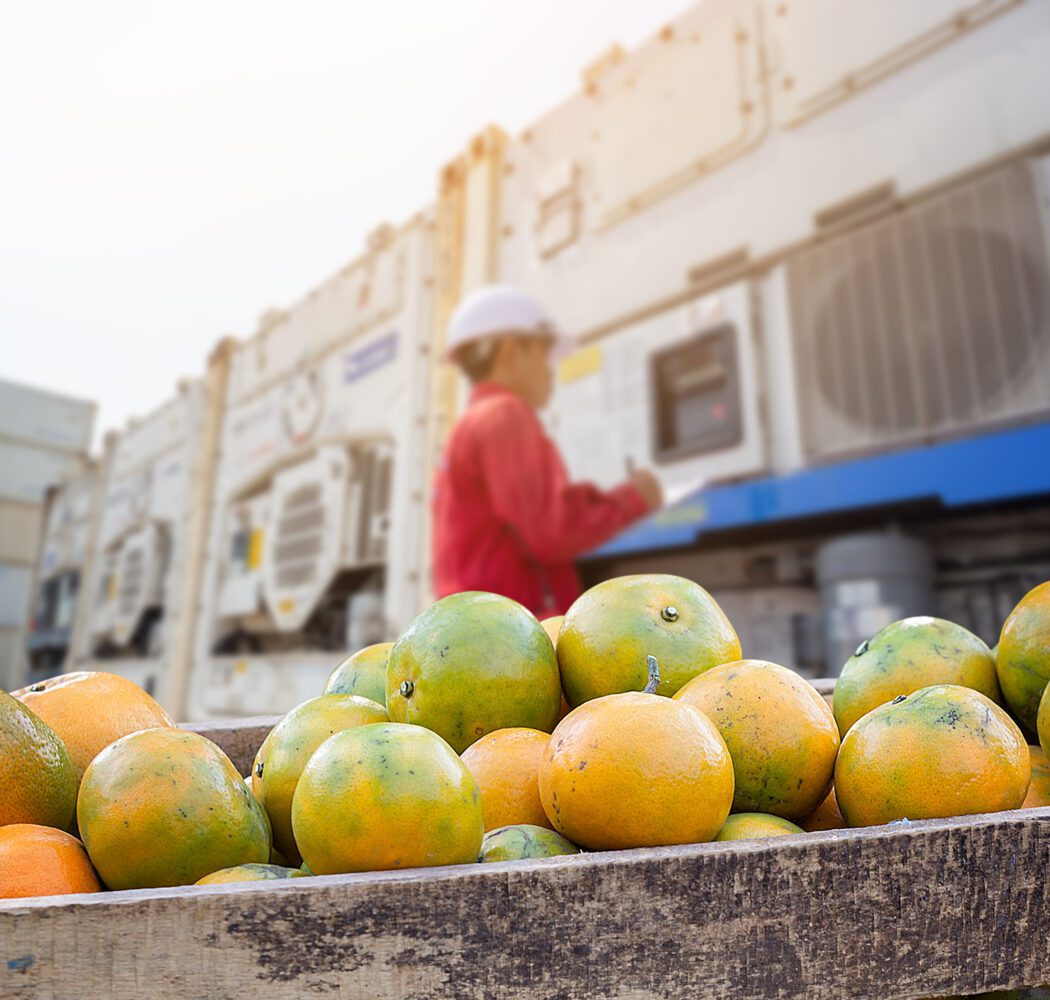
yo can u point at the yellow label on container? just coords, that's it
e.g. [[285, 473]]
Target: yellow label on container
[[286, 606], [240, 667], [579, 364], [255, 548]]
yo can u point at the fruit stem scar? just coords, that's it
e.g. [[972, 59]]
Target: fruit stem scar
[[654, 675], [406, 689], [670, 613]]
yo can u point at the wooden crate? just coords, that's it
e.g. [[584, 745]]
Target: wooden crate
[[923, 909]]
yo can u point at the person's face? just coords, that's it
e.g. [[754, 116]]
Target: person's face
[[531, 364]]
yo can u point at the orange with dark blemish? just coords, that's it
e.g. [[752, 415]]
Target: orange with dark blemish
[[945, 750]]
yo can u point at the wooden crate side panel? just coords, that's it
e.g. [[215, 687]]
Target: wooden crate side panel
[[918, 910]]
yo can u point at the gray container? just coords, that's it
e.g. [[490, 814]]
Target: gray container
[[867, 581]]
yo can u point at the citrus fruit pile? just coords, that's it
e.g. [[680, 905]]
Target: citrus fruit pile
[[483, 734]]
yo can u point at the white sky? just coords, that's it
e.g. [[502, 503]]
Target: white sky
[[169, 170]]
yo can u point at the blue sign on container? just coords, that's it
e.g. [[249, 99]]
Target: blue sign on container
[[369, 358]]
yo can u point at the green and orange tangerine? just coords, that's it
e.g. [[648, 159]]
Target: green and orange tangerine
[[362, 673], [249, 873], [942, 751], [167, 807], [778, 729], [470, 664], [611, 629], [907, 655], [524, 840], [1023, 656], [386, 796], [290, 744], [749, 825]]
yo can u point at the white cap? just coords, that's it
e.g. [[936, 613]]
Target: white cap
[[500, 309]]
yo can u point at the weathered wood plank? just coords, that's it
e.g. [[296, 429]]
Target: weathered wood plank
[[917, 910]]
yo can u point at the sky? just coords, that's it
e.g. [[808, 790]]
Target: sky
[[169, 171]]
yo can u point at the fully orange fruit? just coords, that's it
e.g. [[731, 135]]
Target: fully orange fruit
[[386, 796], [779, 731], [90, 709], [1039, 790], [908, 655], [611, 629], [42, 861], [167, 807], [636, 770], [826, 816], [250, 873], [38, 784], [505, 764], [747, 825], [552, 626], [1023, 654], [942, 751], [362, 673], [290, 744], [470, 664]]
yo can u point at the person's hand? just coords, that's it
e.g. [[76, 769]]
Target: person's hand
[[649, 486]]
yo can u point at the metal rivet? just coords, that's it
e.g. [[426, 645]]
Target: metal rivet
[[406, 689], [670, 613]]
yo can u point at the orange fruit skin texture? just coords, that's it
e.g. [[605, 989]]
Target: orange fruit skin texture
[[779, 730], [474, 663], [42, 861], [523, 840], [1023, 654], [386, 796], [90, 709], [826, 816], [505, 764], [362, 673], [636, 770], [1039, 790], [908, 655], [167, 807], [552, 626], [611, 629], [745, 826], [1042, 720], [250, 873], [38, 783], [290, 744], [942, 751]]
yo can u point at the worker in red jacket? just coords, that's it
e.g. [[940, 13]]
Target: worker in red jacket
[[506, 517]]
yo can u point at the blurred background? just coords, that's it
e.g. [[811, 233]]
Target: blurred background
[[803, 248]]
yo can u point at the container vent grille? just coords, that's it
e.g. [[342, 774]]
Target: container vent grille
[[300, 537], [928, 322]]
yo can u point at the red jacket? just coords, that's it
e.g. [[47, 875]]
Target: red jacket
[[506, 518]]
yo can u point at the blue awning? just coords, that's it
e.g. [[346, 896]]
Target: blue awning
[[1002, 466]]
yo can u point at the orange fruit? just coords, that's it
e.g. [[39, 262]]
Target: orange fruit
[[505, 765], [470, 664], [90, 709], [747, 825], [1023, 655], [362, 673], [945, 750], [636, 770], [42, 861], [611, 629], [523, 840], [38, 784], [1039, 790], [290, 744], [908, 655], [249, 873], [826, 816], [167, 807], [778, 729], [386, 796]]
